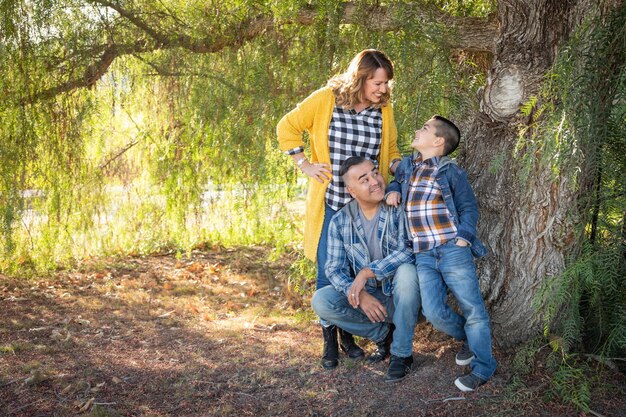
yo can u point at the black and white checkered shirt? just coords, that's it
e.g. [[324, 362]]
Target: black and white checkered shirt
[[350, 134]]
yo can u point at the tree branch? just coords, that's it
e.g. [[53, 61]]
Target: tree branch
[[474, 34]]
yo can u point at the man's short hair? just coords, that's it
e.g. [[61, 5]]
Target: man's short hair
[[349, 163], [447, 130]]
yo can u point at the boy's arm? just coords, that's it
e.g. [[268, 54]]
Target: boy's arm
[[392, 196], [337, 267], [394, 186], [466, 207]]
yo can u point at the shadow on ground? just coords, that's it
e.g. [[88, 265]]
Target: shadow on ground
[[218, 333]]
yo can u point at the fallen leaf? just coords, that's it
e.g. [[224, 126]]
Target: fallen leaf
[[87, 405], [38, 329], [116, 380], [232, 306], [97, 387], [36, 376], [195, 268], [57, 335], [214, 268], [12, 298]]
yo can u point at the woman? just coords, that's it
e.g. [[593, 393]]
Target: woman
[[351, 116]]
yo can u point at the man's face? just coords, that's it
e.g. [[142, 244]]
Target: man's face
[[425, 137], [375, 87], [365, 183]]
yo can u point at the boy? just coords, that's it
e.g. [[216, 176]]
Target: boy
[[441, 216]]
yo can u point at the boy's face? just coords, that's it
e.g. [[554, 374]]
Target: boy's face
[[426, 138], [365, 183]]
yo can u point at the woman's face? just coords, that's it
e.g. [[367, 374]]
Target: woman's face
[[375, 87]]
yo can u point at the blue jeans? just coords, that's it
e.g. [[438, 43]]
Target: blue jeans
[[402, 307], [322, 249], [322, 253], [453, 266]]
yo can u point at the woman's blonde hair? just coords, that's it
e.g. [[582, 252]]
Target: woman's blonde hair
[[348, 87]]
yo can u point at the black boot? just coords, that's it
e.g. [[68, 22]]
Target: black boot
[[331, 348], [383, 349], [348, 346], [399, 368]]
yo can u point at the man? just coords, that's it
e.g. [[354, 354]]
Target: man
[[371, 271]]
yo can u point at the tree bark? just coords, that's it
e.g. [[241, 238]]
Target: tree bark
[[527, 222]]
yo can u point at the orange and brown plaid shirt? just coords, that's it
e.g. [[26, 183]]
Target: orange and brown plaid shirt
[[428, 217]]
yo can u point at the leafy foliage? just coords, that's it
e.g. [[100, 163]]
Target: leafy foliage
[[584, 125], [571, 384], [173, 143]]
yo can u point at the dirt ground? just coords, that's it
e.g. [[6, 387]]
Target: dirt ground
[[221, 333]]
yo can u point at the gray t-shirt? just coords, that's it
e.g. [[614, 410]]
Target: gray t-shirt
[[370, 227]]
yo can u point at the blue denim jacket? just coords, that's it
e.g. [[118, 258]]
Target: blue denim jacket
[[348, 253], [457, 194]]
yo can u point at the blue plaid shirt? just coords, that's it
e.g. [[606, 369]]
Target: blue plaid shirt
[[348, 253]]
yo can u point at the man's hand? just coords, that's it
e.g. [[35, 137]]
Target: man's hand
[[373, 308], [393, 199], [357, 286], [462, 243]]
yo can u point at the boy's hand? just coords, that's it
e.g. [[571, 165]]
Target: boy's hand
[[393, 199]]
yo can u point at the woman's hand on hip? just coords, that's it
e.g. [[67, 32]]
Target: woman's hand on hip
[[318, 171]]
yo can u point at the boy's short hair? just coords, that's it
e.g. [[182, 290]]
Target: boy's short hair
[[349, 163], [447, 130]]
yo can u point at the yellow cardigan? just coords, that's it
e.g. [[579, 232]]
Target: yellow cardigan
[[314, 115]]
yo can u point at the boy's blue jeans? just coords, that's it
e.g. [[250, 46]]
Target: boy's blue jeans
[[402, 308], [453, 266]]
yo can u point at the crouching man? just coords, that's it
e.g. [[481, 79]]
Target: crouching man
[[374, 283]]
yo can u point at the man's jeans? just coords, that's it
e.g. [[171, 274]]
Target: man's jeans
[[453, 266], [402, 308]]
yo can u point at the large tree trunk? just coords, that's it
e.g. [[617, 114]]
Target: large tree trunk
[[526, 222]]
